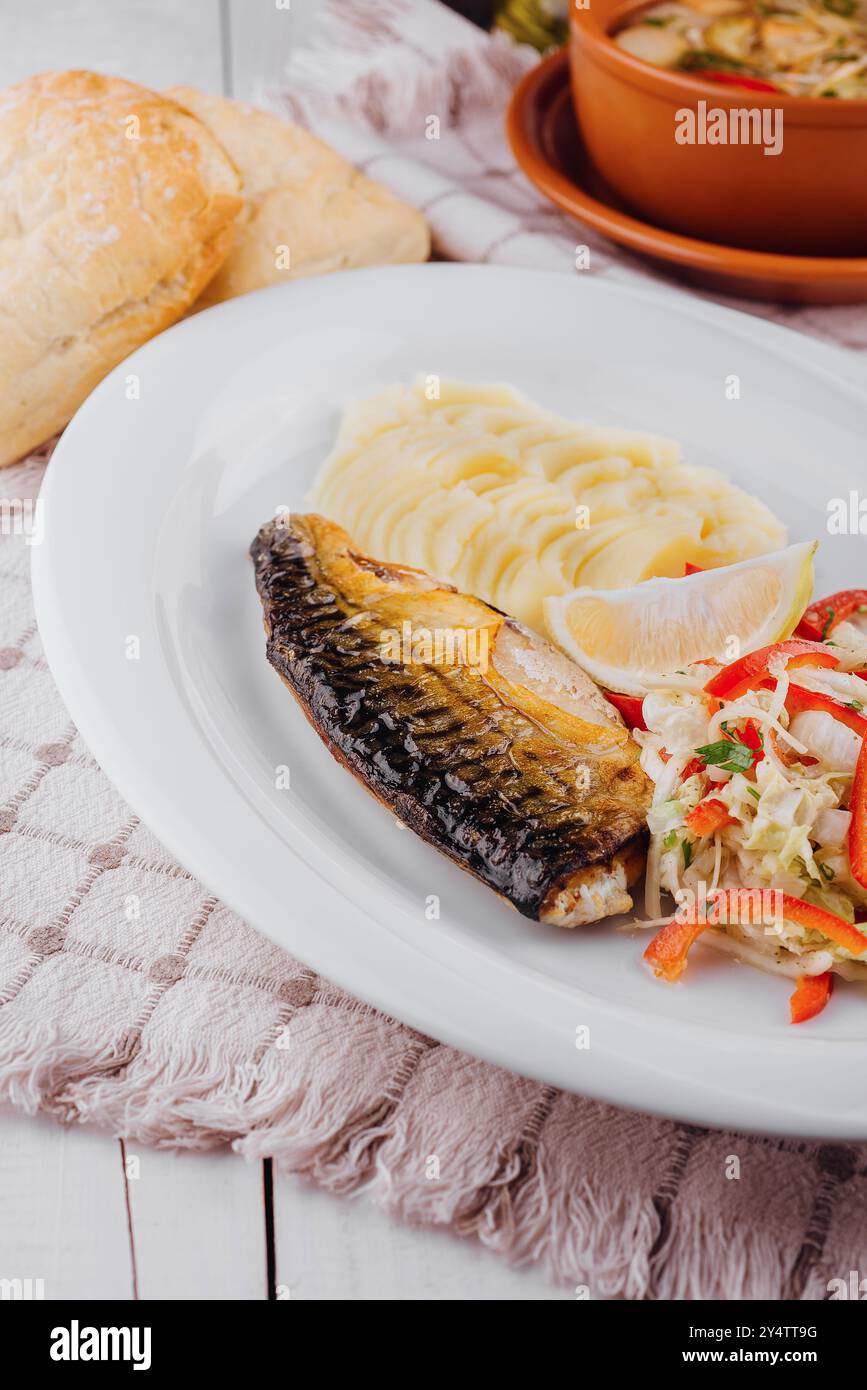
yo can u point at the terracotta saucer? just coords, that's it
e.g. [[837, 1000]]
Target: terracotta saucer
[[541, 127]]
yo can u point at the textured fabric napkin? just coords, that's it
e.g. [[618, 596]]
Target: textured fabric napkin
[[415, 96], [130, 998]]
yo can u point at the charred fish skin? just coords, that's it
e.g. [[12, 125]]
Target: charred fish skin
[[476, 765]]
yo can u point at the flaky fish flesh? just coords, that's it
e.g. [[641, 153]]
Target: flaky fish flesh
[[473, 731]]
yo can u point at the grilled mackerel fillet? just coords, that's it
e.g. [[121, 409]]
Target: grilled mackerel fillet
[[492, 745]]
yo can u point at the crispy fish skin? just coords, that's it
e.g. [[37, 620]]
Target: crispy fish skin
[[516, 768]]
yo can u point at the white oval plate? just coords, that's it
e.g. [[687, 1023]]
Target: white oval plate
[[150, 506]]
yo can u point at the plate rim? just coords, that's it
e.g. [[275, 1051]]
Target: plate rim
[[91, 710]]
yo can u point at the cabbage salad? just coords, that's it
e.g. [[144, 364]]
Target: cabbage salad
[[753, 767]]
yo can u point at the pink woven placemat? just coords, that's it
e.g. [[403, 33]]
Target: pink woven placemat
[[130, 998]]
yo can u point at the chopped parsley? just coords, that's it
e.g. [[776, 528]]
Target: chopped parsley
[[856, 705], [702, 58], [829, 623], [670, 840], [729, 754], [687, 853], [826, 871], [754, 791]]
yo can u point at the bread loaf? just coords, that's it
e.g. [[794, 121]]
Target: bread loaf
[[307, 210], [117, 207]]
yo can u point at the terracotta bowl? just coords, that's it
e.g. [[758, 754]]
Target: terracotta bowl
[[810, 199]]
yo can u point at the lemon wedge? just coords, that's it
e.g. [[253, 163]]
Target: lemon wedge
[[627, 639]]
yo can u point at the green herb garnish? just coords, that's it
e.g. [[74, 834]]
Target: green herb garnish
[[856, 705], [826, 871], [754, 791], [729, 754], [828, 622], [670, 840], [687, 853], [702, 58]]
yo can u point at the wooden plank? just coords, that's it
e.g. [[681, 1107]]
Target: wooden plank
[[198, 1224], [339, 1248], [155, 42], [62, 1209]]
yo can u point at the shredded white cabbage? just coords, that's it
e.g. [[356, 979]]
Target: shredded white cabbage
[[788, 809]]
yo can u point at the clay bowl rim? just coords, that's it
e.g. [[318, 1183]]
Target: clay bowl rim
[[641, 235], [586, 28]]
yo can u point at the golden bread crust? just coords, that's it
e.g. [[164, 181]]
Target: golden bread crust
[[117, 207], [301, 195]]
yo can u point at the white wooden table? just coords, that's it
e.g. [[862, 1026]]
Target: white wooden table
[[88, 1215]]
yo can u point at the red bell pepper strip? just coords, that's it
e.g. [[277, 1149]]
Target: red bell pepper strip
[[752, 670], [670, 946], [734, 79], [689, 568], [822, 617], [668, 950], [812, 993], [629, 706], [787, 754], [753, 739], [708, 817], [798, 699], [694, 765], [837, 929], [858, 823]]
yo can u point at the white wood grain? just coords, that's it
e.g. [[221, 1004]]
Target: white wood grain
[[340, 1248], [155, 42], [62, 1209], [198, 1223]]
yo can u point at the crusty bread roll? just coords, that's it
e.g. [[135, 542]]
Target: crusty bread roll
[[303, 197], [116, 209]]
